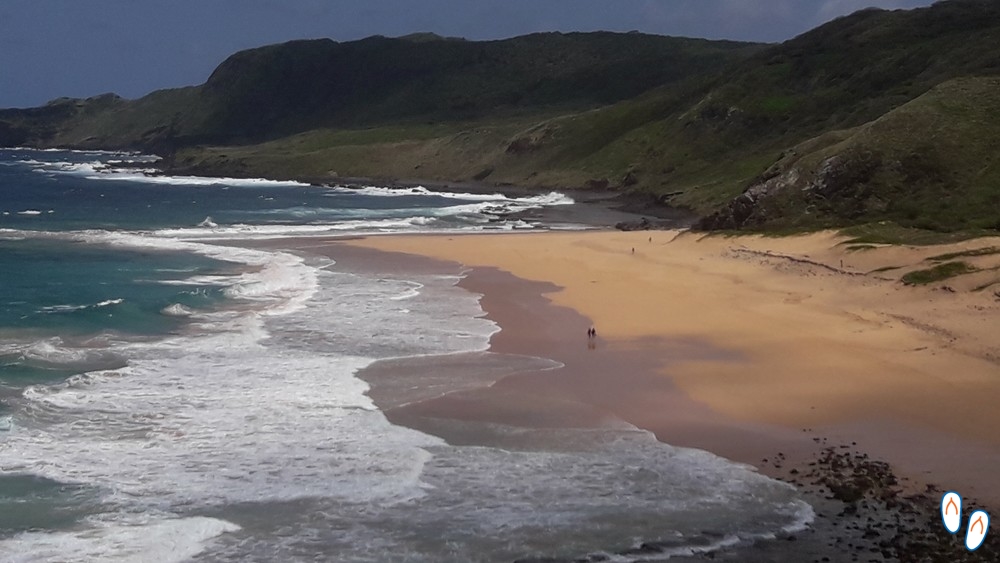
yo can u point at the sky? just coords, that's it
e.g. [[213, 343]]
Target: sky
[[80, 48]]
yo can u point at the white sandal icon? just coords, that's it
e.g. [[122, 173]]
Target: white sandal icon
[[951, 511], [979, 522], [951, 514]]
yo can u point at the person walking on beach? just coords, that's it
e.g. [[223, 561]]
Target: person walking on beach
[[591, 332]]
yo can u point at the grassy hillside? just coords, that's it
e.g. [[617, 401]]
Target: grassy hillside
[[707, 147], [381, 80], [281, 90], [932, 163], [889, 110], [856, 68], [698, 142]]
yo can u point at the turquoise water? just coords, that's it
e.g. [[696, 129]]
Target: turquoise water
[[65, 275], [75, 288], [74, 291], [28, 502]]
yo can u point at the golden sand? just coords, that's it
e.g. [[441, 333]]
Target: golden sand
[[821, 336]]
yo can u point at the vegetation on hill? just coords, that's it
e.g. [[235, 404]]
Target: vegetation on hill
[[878, 117], [931, 164], [279, 90]]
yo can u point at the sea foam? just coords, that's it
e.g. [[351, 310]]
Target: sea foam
[[254, 413], [552, 198], [279, 280], [101, 170], [254, 408], [166, 540]]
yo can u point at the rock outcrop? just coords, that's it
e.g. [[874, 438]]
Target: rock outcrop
[[837, 185]]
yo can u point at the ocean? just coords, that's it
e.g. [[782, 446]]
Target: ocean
[[173, 390]]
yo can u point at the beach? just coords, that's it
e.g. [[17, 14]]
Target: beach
[[275, 386], [762, 350], [268, 395]]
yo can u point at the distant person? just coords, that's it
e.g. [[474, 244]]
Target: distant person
[[633, 250]]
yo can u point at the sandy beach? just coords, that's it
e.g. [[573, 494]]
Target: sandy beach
[[781, 353], [762, 342]]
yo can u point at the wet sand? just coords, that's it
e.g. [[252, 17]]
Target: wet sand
[[801, 339], [684, 349]]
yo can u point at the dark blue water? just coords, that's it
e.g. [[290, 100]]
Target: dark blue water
[[86, 244], [74, 191]]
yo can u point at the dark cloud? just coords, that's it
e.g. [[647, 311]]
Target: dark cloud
[[51, 48]]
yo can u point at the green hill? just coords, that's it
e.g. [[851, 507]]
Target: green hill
[[891, 111], [933, 163], [279, 90], [702, 148], [697, 143]]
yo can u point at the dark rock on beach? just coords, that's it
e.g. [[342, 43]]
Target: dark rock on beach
[[646, 224], [864, 512]]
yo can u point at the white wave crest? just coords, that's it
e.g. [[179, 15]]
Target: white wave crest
[[71, 308], [91, 151], [552, 198], [165, 540], [409, 293], [242, 231], [279, 281], [176, 310], [104, 170], [53, 352], [152, 176], [415, 191]]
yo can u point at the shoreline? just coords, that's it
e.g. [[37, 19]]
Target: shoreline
[[656, 361], [593, 207], [556, 378], [854, 426], [824, 463], [856, 360], [619, 205], [623, 381]]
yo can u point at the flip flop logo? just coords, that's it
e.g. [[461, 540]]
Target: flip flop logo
[[951, 514], [979, 522], [951, 511]]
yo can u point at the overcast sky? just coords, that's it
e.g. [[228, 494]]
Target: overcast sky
[[79, 48]]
